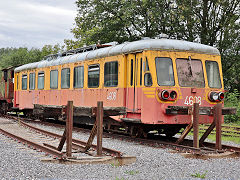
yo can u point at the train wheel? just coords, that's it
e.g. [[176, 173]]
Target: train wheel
[[172, 131], [137, 131]]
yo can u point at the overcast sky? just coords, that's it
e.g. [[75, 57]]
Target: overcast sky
[[34, 23]]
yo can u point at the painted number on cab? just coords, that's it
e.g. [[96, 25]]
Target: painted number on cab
[[190, 100], [111, 96]]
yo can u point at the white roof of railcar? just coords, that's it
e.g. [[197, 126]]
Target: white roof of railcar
[[125, 48]]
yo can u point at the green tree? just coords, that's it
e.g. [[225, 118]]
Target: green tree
[[211, 22], [120, 20], [18, 56]]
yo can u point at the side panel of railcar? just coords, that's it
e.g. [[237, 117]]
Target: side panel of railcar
[[111, 95]]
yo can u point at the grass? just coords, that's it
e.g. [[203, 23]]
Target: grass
[[132, 172], [224, 138], [198, 175]]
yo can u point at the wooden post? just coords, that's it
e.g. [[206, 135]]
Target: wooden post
[[69, 128], [195, 125], [218, 119], [99, 127]]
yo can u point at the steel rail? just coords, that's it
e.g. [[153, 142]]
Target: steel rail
[[184, 147], [212, 145], [107, 150], [33, 144]]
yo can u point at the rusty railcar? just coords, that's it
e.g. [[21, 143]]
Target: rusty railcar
[[6, 89], [156, 81]]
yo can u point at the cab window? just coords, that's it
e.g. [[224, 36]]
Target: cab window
[[164, 70], [190, 73], [213, 75], [111, 74]]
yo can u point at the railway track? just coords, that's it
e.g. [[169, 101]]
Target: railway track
[[232, 131], [42, 140], [156, 141]]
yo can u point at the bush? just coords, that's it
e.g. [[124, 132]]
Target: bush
[[232, 100]]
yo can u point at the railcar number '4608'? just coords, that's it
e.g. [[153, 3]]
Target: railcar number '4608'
[[111, 96], [190, 100]]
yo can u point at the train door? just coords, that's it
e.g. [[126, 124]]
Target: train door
[[134, 81]]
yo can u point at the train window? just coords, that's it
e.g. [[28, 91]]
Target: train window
[[141, 72], [24, 81], [111, 74], [17, 81], [164, 70], [131, 82], [78, 77], [41, 80], [213, 74], [93, 76], [54, 79], [5, 75], [12, 74], [32, 81], [65, 78], [190, 72], [147, 79], [147, 66]]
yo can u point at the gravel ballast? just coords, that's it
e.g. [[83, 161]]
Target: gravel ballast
[[19, 162]]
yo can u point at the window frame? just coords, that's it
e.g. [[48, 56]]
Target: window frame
[[156, 58], [74, 82], [34, 81], [218, 74], [40, 73], [25, 75], [98, 75], [147, 72], [54, 70], [68, 83], [131, 72], [141, 71], [179, 82], [114, 74]]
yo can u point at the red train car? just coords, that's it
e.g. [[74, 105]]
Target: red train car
[[6, 89]]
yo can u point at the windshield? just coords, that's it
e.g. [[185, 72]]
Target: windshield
[[190, 73], [213, 74], [164, 71]]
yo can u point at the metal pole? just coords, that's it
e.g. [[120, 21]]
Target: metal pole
[[207, 132], [62, 142], [99, 127], [218, 119], [69, 127], [185, 133], [196, 125]]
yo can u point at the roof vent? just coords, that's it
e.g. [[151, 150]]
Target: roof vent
[[162, 36], [146, 38], [114, 43]]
